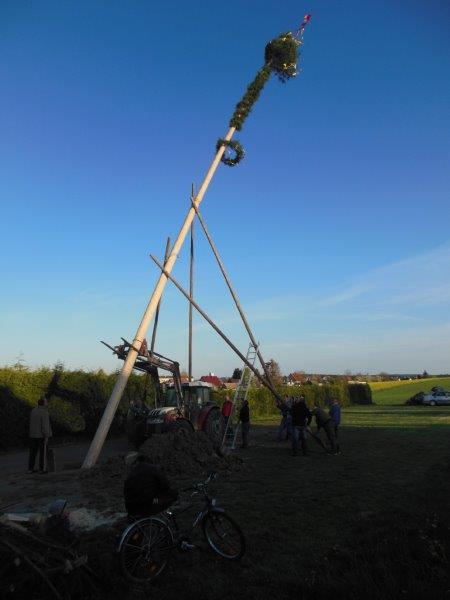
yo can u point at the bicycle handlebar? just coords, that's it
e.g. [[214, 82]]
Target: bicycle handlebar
[[202, 484]]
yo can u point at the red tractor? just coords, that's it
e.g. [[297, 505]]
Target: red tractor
[[188, 405]]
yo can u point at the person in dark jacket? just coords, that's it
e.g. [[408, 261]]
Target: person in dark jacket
[[147, 491], [57, 525], [244, 418], [284, 406], [323, 421], [40, 432], [335, 415], [301, 418]]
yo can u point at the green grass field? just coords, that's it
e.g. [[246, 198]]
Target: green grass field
[[417, 417], [398, 392]]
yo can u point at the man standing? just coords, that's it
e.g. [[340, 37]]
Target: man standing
[[335, 415], [40, 432], [323, 421], [244, 418], [286, 418], [301, 418], [227, 408]]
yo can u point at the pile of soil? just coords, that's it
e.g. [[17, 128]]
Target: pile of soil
[[187, 454], [184, 457]]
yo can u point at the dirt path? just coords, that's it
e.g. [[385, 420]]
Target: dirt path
[[32, 492]]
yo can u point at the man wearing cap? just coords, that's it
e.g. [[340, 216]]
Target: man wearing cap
[[40, 432], [301, 418]]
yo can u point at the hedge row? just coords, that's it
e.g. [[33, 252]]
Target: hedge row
[[262, 403], [77, 399]]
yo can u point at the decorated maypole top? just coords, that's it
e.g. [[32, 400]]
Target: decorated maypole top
[[281, 58]]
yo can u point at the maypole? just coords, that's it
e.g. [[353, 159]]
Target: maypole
[[280, 58]]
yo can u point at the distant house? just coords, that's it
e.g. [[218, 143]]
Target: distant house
[[231, 385], [215, 381], [296, 378]]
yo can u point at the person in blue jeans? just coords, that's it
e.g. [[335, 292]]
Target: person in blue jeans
[[335, 415], [286, 419], [301, 418]]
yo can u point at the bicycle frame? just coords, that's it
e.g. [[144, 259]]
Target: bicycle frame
[[210, 504], [169, 517]]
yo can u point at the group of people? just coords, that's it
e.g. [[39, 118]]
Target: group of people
[[296, 419]]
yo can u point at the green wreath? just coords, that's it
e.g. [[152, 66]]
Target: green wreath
[[234, 145]]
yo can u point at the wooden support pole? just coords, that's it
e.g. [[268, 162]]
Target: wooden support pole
[[234, 295], [113, 402], [266, 383], [155, 324], [191, 293]]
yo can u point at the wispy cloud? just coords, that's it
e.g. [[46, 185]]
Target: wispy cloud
[[418, 348], [348, 294], [422, 280]]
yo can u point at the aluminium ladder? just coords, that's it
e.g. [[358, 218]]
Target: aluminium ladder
[[233, 424]]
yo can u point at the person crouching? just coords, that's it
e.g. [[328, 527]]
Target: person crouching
[[147, 490]]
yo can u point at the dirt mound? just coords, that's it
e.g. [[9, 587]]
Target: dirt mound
[[187, 454], [184, 457]]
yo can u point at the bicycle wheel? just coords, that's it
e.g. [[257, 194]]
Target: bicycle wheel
[[224, 535], [144, 549]]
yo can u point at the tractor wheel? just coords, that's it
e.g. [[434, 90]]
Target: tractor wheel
[[181, 425], [213, 427]]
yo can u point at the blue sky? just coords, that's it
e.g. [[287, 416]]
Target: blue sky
[[334, 228]]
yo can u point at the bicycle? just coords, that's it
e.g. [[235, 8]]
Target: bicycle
[[146, 545]]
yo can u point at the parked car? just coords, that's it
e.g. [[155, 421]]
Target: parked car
[[438, 397], [416, 399]]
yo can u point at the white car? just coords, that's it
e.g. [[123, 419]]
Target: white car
[[437, 398]]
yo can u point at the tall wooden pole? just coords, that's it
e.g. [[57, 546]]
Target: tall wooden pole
[[191, 293], [155, 324], [113, 402], [234, 296]]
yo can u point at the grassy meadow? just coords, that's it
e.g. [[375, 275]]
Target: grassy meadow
[[398, 392], [370, 523]]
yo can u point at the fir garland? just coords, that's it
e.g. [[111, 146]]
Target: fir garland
[[234, 145], [280, 57], [245, 105]]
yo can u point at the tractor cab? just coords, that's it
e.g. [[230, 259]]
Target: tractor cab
[[197, 395]]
